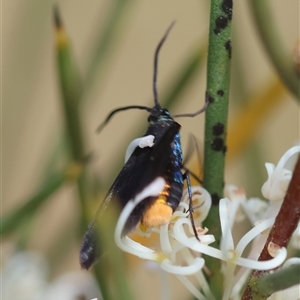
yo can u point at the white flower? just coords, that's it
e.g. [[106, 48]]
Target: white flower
[[25, 276], [201, 201], [230, 254], [255, 209], [274, 189], [173, 257], [72, 285], [176, 238], [181, 250], [124, 242]]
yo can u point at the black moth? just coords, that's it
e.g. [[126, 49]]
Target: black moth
[[163, 159]]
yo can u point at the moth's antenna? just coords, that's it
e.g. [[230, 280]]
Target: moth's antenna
[[156, 64], [100, 127], [194, 114]]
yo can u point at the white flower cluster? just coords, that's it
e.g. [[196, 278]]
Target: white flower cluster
[[25, 276], [180, 251]]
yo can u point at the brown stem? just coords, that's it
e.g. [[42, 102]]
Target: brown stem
[[283, 228]]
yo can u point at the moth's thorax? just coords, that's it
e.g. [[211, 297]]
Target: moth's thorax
[[159, 115]]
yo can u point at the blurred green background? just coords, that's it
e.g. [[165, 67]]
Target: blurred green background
[[33, 121]]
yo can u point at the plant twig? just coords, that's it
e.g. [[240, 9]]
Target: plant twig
[[283, 228], [217, 93], [280, 280], [54, 181], [71, 88]]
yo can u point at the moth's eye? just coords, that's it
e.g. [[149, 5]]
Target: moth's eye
[[165, 112]]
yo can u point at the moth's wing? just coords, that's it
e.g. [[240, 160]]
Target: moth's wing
[[144, 166]]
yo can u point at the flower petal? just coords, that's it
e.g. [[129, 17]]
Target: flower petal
[[125, 243], [263, 265], [142, 142], [253, 233], [201, 203], [227, 239], [192, 242], [279, 177], [193, 268]]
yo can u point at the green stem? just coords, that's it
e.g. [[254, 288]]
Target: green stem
[[100, 272], [11, 221], [280, 57], [217, 93], [271, 283], [14, 219], [71, 89], [113, 259]]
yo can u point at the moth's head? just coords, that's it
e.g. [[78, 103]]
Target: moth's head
[[159, 114]]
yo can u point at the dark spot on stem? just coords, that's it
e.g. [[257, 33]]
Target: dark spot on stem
[[220, 93], [209, 98], [217, 144], [228, 48], [221, 22], [215, 199], [227, 8], [218, 129], [217, 31], [224, 150]]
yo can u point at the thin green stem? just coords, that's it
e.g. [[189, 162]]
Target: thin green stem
[[280, 57], [100, 272], [113, 259], [217, 93], [104, 43], [54, 181], [12, 220], [277, 281], [71, 88]]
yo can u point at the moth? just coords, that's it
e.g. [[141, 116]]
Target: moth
[[144, 165]]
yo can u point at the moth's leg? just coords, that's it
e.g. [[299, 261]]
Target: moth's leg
[[192, 174], [187, 177]]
